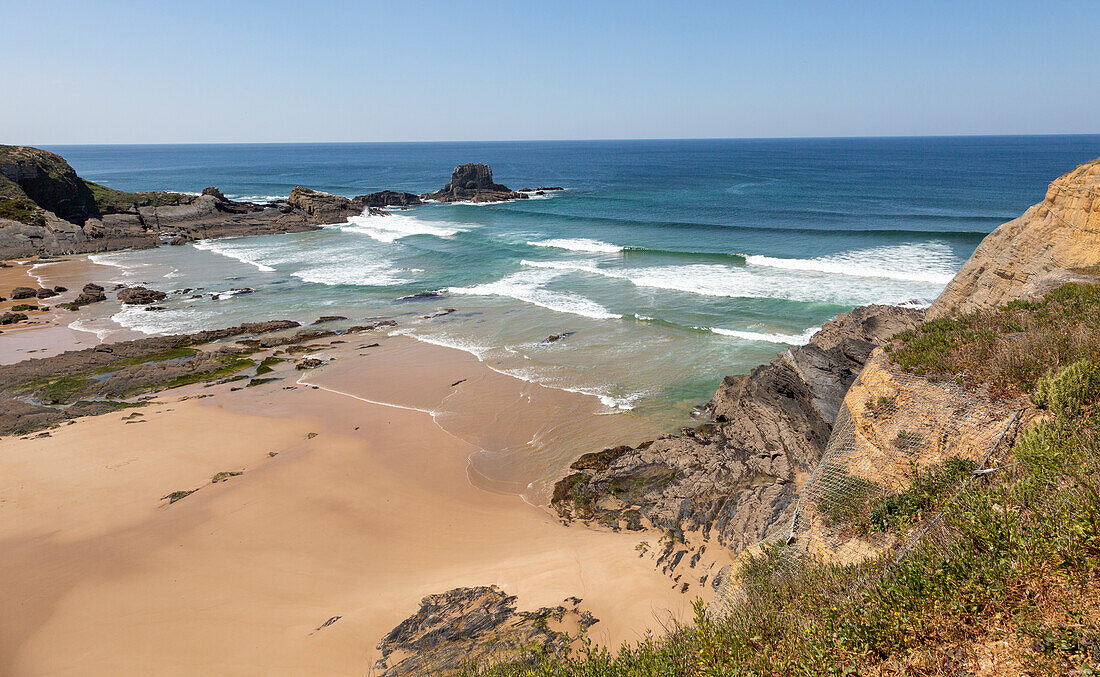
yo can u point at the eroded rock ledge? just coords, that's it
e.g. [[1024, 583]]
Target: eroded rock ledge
[[735, 479], [478, 626]]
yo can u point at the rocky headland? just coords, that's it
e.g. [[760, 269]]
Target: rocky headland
[[47, 209]]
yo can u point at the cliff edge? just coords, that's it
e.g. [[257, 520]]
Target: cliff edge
[[1028, 256]]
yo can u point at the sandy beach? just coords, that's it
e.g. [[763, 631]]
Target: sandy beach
[[393, 472]]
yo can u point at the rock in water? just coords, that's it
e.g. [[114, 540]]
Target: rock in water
[[468, 627], [387, 198], [474, 183], [22, 293], [140, 296]]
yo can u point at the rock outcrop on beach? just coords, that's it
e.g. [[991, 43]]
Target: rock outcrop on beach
[[140, 296], [473, 183], [736, 479], [467, 627], [1045, 247]]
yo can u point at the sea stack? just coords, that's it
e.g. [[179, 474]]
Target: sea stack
[[473, 183]]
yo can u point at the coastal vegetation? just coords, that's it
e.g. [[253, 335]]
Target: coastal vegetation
[[1007, 578]]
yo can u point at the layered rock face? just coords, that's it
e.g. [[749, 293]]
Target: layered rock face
[[1043, 248], [736, 478], [473, 183], [466, 627]]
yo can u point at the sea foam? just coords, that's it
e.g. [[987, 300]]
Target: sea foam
[[579, 244], [527, 286], [930, 262], [228, 249], [396, 226]]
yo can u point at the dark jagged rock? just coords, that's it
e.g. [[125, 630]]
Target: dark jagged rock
[[387, 198], [372, 326], [554, 338], [422, 296], [473, 183], [308, 363], [12, 318], [215, 193], [59, 289], [468, 627], [92, 293], [22, 293], [328, 318], [140, 296], [44, 293], [737, 478]]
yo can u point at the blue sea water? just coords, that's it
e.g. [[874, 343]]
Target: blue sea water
[[674, 262]]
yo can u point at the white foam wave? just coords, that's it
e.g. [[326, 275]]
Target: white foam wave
[[353, 272], [175, 321], [396, 226], [101, 333], [262, 199], [790, 339], [742, 282], [229, 250], [579, 244], [527, 286], [931, 262]]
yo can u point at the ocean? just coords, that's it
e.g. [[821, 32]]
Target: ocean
[[668, 263]]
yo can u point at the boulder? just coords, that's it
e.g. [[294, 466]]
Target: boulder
[[23, 293], [475, 627], [387, 198], [44, 293], [140, 296], [324, 207], [215, 193], [473, 183], [12, 318]]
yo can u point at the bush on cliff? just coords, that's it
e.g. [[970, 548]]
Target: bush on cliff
[[1008, 579]]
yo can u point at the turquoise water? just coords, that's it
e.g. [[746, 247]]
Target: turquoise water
[[674, 262]]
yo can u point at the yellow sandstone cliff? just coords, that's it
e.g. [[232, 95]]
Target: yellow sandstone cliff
[[1035, 252]]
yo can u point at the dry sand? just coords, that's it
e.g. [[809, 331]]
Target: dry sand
[[102, 577]]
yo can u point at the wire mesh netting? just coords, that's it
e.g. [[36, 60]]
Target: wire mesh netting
[[894, 430]]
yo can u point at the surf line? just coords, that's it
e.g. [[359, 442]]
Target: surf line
[[469, 463]]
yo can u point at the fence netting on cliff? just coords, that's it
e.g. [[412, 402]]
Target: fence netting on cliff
[[903, 447]]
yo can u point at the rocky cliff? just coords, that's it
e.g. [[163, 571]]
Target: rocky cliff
[[1045, 247], [736, 479]]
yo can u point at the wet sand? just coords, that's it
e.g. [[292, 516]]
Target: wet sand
[[48, 333], [410, 486]]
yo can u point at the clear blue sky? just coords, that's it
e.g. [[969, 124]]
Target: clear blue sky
[[114, 71]]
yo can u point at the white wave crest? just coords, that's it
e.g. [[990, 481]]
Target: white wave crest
[[527, 286], [931, 262], [353, 272], [790, 339], [396, 226], [230, 250], [579, 244], [747, 282]]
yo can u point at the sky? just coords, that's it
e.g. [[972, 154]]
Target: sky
[[116, 71]]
